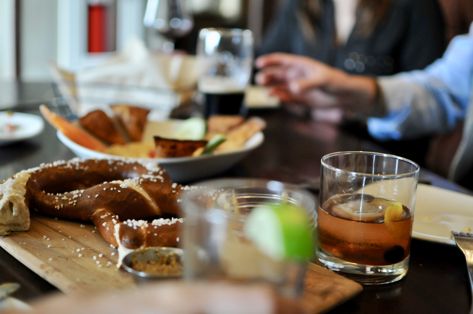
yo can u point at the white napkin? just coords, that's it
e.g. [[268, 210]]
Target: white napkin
[[135, 76]]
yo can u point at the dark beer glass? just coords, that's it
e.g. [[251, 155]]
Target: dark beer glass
[[226, 58]]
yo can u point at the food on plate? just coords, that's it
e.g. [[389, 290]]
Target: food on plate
[[166, 147], [129, 134], [143, 149], [9, 127], [132, 204], [107, 132], [72, 131], [218, 124], [96, 130], [132, 118], [237, 137], [234, 138], [191, 129], [212, 144], [14, 214]]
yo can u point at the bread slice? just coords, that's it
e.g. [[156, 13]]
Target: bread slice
[[238, 136], [223, 123], [99, 124], [133, 119], [166, 147], [14, 211]]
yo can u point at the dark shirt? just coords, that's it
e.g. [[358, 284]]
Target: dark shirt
[[410, 36]]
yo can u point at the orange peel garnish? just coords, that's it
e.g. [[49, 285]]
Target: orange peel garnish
[[393, 212]]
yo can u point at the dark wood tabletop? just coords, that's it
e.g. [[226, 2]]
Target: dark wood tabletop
[[437, 280]]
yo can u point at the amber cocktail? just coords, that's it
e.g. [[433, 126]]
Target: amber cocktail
[[365, 217]]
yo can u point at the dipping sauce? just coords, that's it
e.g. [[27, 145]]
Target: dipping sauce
[[154, 262]]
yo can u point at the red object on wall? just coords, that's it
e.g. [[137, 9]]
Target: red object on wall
[[97, 28]]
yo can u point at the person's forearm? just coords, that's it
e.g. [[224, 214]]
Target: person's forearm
[[359, 93]]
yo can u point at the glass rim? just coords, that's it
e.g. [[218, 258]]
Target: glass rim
[[245, 183], [227, 31], [325, 158], [251, 183]]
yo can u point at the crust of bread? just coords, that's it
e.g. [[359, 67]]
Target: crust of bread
[[223, 123], [166, 147], [99, 124], [14, 212], [237, 137], [132, 118]]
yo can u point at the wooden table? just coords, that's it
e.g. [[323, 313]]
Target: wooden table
[[437, 280]]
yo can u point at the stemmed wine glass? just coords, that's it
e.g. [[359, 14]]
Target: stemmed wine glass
[[170, 18]]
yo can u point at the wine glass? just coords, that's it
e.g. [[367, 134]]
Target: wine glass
[[170, 18]]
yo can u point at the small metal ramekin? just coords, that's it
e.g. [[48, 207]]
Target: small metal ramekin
[[147, 255]]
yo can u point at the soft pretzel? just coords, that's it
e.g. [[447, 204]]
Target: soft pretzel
[[133, 233], [116, 195]]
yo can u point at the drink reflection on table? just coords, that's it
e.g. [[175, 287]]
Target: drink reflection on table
[[226, 57]]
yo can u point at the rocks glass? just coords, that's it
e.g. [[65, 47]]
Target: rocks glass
[[215, 245], [366, 214]]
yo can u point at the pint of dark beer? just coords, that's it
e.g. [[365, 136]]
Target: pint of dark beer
[[221, 97], [226, 57]]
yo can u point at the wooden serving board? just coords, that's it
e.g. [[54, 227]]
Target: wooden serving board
[[75, 259]]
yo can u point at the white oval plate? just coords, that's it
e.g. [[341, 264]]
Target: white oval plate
[[28, 126], [439, 211], [181, 169]]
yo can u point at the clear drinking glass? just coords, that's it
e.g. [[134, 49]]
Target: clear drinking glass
[[214, 242], [226, 59], [365, 215]]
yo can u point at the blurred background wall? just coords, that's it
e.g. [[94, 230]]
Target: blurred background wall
[[36, 33]]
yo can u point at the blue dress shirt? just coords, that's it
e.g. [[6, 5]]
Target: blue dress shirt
[[428, 101]]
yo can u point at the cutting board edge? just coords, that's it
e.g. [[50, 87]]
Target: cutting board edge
[[36, 265]]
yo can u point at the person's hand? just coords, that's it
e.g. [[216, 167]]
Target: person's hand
[[297, 79]]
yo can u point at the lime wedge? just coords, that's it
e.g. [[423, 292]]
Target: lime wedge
[[191, 129], [282, 231]]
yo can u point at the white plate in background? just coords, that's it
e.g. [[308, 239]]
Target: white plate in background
[[26, 126], [181, 169], [439, 211]]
